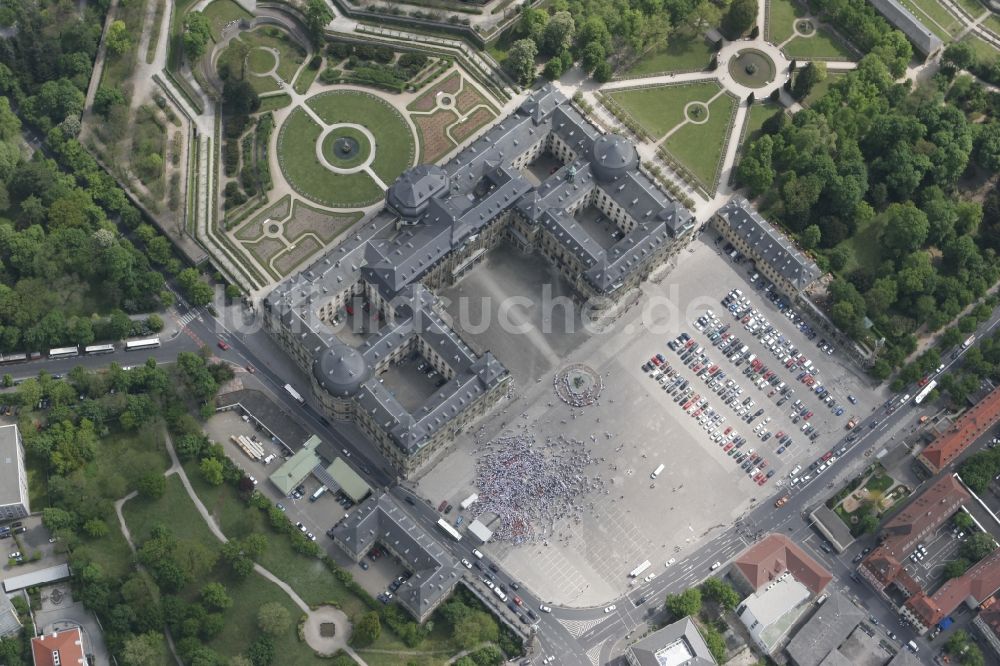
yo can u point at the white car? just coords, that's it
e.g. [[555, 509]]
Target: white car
[[544, 608], [671, 561], [610, 608], [649, 577], [468, 565]]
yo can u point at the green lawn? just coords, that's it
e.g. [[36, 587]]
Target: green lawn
[[274, 102], [864, 248], [306, 575], [985, 51], [305, 79], [221, 12], [992, 23], [394, 144], [175, 47], [257, 60], [755, 118], [260, 61], [290, 53], [820, 88], [297, 156], [879, 483], [973, 7], [699, 147], [176, 510], [781, 15], [680, 55], [117, 68], [659, 109], [937, 19], [823, 44]]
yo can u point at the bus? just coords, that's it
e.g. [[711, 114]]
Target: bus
[[656, 472], [635, 573], [295, 394], [925, 391], [99, 349], [449, 530], [64, 352], [14, 358], [135, 345]]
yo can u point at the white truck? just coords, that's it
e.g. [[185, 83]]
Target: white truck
[[468, 501]]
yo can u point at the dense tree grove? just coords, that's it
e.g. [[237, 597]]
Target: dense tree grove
[[876, 160], [83, 414], [601, 33]]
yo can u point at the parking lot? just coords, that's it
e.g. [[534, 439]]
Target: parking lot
[[636, 426], [926, 563]]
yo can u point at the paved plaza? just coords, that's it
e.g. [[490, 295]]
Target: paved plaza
[[632, 428]]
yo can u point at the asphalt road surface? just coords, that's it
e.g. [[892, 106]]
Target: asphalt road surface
[[582, 636]]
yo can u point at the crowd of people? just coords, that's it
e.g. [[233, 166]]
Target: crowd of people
[[530, 485]]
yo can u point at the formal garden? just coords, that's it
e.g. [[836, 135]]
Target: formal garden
[[286, 233], [446, 114], [863, 501], [799, 34], [263, 56], [345, 149]]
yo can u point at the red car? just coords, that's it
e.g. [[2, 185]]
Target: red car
[[827, 456], [224, 346], [517, 600], [727, 447], [442, 505], [923, 382]]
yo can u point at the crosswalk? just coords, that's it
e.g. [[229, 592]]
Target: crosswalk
[[187, 319]]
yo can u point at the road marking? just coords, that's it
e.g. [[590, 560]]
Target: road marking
[[577, 628]]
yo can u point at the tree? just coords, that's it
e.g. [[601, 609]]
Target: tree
[[531, 23], [196, 290], [273, 618], [961, 54], [105, 98], [603, 72], [317, 16], [813, 73], [239, 97], [214, 596], [144, 650], [721, 593], [366, 630], [521, 60], [553, 69], [868, 523], [593, 55], [197, 34], [118, 40], [558, 33], [987, 145], [755, 170], [211, 471], [684, 604], [957, 642], [955, 568], [740, 18], [963, 521], [977, 546], [810, 237], [704, 15], [906, 228]]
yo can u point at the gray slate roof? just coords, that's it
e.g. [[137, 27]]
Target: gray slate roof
[[382, 518], [432, 211], [10, 488], [769, 243], [901, 17], [829, 626], [683, 636], [9, 624]]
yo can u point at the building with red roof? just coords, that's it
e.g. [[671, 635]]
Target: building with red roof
[[62, 648], [973, 587], [765, 561], [785, 581], [917, 522], [968, 428]]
